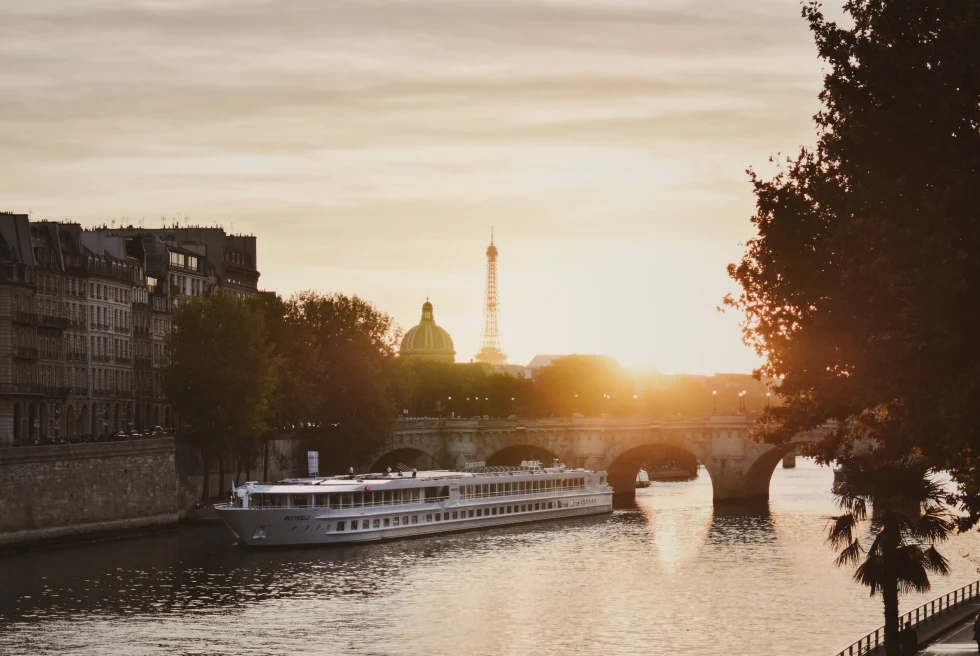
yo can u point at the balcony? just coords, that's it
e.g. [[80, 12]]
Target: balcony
[[101, 358], [25, 352], [34, 389], [53, 322], [123, 359], [78, 356], [19, 388], [25, 317]]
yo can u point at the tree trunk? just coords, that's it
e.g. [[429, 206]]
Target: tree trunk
[[265, 465], [206, 487], [889, 588], [221, 473]]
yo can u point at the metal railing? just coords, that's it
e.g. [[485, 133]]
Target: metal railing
[[871, 642]]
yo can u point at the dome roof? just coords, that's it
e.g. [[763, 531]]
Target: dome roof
[[427, 340]]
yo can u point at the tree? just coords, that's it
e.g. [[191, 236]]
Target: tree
[[352, 374], [221, 377], [897, 552], [860, 287], [584, 384]]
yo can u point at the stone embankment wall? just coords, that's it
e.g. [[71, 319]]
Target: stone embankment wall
[[64, 491]]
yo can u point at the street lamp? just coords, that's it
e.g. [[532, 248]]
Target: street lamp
[[768, 396], [714, 400]]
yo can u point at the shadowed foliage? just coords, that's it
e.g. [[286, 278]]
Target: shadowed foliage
[[860, 288]]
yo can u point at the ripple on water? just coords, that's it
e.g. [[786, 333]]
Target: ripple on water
[[670, 574]]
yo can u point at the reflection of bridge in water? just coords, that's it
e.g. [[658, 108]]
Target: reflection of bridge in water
[[740, 467]]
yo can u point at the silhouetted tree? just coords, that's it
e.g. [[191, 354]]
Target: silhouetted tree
[[352, 377], [860, 288], [587, 384], [893, 517], [221, 377]]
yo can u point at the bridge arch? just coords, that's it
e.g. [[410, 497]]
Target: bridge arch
[[624, 464], [759, 475], [406, 456]]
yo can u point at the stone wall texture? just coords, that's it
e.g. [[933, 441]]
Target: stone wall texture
[[58, 492]]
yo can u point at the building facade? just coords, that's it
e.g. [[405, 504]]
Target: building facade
[[84, 320]]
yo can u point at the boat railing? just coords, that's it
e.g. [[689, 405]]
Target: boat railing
[[366, 504], [487, 495], [873, 641]]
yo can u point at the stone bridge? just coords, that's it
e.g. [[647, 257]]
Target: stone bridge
[[739, 466]]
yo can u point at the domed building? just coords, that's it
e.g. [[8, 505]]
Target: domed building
[[427, 340]]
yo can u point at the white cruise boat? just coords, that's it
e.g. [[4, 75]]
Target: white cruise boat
[[335, 509]]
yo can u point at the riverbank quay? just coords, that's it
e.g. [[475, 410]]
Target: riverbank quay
[[931, 621], [957, 640], [69, 492]]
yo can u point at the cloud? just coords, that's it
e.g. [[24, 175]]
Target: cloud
[[358, 125]]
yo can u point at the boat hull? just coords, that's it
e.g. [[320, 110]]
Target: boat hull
[[295, 526]]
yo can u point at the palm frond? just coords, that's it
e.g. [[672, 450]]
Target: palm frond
[[849, 554], [841, 530], [935, 562], [869, 574], [934, 525]]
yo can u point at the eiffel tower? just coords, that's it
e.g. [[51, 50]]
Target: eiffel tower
[[490, 352]]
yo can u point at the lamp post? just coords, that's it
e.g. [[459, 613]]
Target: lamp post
[[714, 401], [768, 397]]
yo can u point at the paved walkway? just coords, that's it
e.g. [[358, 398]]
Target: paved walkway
[[959, 640]]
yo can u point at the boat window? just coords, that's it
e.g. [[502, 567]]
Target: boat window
[[470, 513], [415, 519], [394, 521], [388, 498], [365, 524], [455, 515], [479, 512], [405, 520], [377, 523], [387, 522], [438, 517], [340, 526], [428, 517]]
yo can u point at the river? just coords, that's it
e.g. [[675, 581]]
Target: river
[[672, 575]]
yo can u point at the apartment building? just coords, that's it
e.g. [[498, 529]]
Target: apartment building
[[84, 319]]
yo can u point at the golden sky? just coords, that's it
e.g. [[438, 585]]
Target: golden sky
[[371, 145]]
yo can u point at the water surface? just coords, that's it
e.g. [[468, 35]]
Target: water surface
[[672, 575]]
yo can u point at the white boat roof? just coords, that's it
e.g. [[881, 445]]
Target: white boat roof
[[366, 482]]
